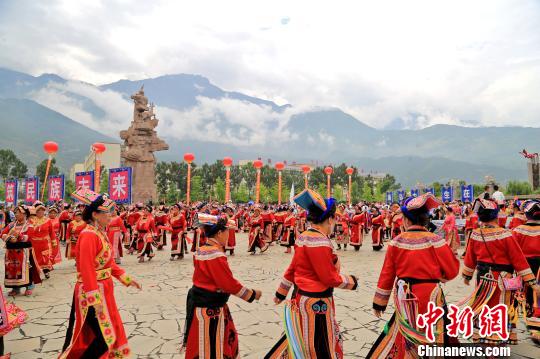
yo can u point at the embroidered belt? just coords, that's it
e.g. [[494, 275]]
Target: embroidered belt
[[101, 274], [412, 281], [177, 227], [485, 267], [324, 294], [115, 228]]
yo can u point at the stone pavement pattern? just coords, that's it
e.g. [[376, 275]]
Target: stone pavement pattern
[[154, 317]]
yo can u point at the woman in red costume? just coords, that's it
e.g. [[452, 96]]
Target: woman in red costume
[[377, 229], [471, 223], [518, 217], [146, 231], [95, 329], [256, 236], [116, 231], [495, 255], [289, 230], [342, 227], [315, 272], [450, 230], [21, 267], [528, 237], [209, 330], [43, 238], [357, 224], [177, 227], [56, 256], [74, 229], [416, 262], [231, 243]]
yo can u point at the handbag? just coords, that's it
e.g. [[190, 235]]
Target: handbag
[[513, 283]]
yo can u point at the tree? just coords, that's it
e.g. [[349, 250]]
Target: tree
[[518, 188], [241, 195], [42, 168], [70, 188], [11, 166], [197, 193], [104, 181], [219, 190]]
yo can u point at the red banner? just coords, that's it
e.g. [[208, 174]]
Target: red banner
[[120, 184], [56, 188], [31, 190], [84, 180], [11, 192]]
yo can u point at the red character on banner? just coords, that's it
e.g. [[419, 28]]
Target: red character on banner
[[429, 319], [84, 180], [11, 193], [56, 188], [120, 185], [460, 321], [494, 321], [31, 190]]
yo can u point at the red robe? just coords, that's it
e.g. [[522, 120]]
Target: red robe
[[517, 220], [42, 238], [357, 222], [289, 225], [256, 226], [205, 337], [74, 229], [57, 257], [64, 218], [177, 225], [231, 243], [528, 238], [497, 246], [95, 270], [115, 230], [146, 228], [315, 271], [451, 231], [414, 255], [377, 232], [21, 267]]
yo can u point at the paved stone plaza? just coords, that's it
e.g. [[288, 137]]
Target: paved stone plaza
[[154, 317]]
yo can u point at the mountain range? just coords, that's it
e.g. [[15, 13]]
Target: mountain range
[[198, 116]]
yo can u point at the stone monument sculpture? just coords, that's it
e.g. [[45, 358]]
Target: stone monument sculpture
[[140, 143]]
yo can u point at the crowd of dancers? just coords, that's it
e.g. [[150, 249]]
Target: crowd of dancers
[[501, 245]]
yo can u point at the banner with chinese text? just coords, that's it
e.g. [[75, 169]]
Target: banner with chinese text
[[467, 193], [447, 194], [31, 190], [55, 188], [120, 184], [12, 191], [84, 180]]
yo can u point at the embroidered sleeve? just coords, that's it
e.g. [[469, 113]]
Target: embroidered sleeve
[[246, 294], [125, 279], [283, 289]]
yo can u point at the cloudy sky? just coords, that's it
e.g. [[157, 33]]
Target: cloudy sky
[[427, 62]]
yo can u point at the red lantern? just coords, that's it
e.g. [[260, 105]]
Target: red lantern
[[349, 171], [227, 162], [189, 157], [328, 170], [98, 148], [258, 164], [50, 147], [306, 169], [279, 166]]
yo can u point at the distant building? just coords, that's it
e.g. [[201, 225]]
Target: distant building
[[109, 159]]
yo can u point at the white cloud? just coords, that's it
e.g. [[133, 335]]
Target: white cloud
[[457, 62]]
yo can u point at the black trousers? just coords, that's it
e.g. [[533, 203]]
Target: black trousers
[[98, 347]]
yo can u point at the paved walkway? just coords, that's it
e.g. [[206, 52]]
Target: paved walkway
[[154, 317]]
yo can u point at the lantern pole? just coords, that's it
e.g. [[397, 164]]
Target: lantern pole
[[188, 189], [46, 176], [188, 157], [227, 183], [50, 148], [258, 186], [350, 186], [279, 188], [328, 190], [305, 181]]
